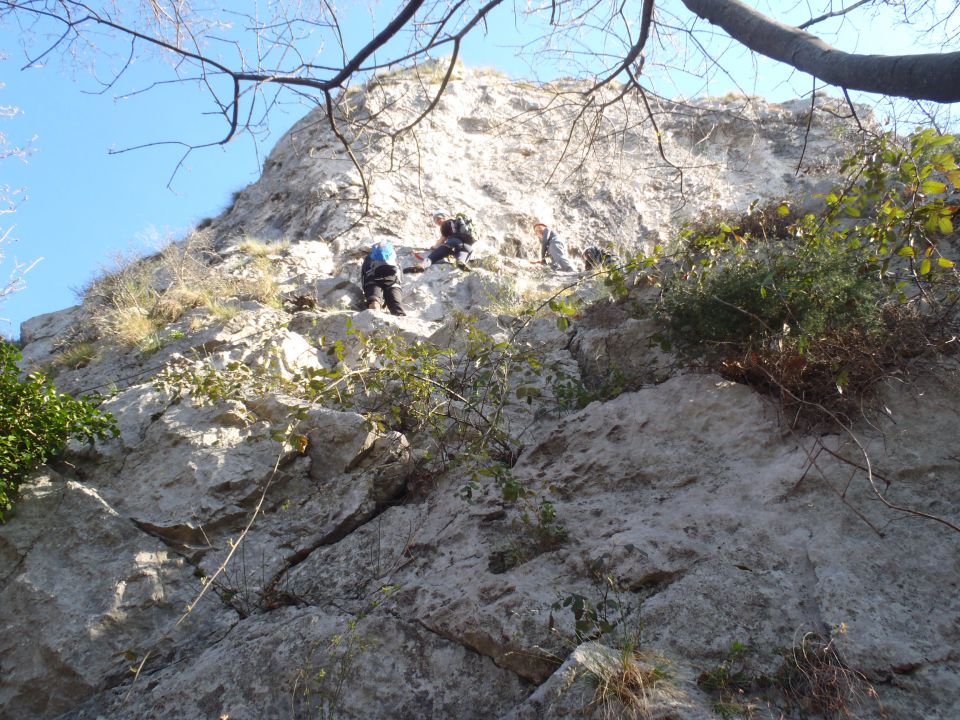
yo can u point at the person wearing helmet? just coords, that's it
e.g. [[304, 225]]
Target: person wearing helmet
[[456, 238], [382, 279]]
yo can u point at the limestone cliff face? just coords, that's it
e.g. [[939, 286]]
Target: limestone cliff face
[[368, 584], [506, 152]]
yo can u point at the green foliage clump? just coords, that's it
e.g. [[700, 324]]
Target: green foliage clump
[[455, 400], [817, 308], [35, 423], [733, 680], [606, 617], [777, 288]]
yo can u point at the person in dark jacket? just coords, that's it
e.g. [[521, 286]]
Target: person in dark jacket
[[450, 242], [552, 246], [382, 279]]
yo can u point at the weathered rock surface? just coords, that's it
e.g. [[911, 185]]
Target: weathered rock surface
[[343, 574]]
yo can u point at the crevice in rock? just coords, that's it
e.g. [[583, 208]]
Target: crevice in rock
[[535, 679], [888, 675], [272, 598], [534, 669], [813, 607], [185, 540], [655, 582]]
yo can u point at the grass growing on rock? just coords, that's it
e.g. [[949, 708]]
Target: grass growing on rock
[[131, 303], [630, 683]]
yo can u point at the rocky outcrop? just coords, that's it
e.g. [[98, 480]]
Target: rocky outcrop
[[360, 570]]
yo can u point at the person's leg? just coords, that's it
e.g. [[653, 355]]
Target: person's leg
[[374, 295], [394, 298], [463, 253], [438, 254], [558, 255]]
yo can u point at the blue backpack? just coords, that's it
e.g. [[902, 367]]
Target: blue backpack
[[382, 263], [383, 254]]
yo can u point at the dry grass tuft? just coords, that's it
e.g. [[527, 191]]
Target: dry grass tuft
[[816, 682], [260, 284], [129, 325], [137, 297], [629, 684], [260, 249], [74, 357]]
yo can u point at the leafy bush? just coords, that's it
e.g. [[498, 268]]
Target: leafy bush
[[777, 289], [818, 308], [454, 401], [35, 423]]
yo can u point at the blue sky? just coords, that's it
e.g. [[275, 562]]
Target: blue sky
[[84, 205]]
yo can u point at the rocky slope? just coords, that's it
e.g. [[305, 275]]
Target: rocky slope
[[369, 584]]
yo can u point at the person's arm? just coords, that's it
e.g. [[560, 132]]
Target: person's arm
[[544, 244]]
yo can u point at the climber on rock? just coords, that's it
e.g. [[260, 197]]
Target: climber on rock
[[457, 235], [552, 246], [382, 279]]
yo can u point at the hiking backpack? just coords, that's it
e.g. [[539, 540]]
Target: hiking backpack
[[465, 228], [383, 260]]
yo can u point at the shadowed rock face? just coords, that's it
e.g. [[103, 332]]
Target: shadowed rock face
[[368, 587]]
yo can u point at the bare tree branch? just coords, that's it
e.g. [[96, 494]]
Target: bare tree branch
[[833, 14], [919, 77]]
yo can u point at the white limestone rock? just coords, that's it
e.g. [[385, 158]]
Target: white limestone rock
[[85, 596], [714, 521]]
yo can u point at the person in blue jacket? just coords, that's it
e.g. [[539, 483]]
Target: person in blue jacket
[[382, 279]]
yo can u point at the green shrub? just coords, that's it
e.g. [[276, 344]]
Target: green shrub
[[802, 291], [35, 423], [819, 308]]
